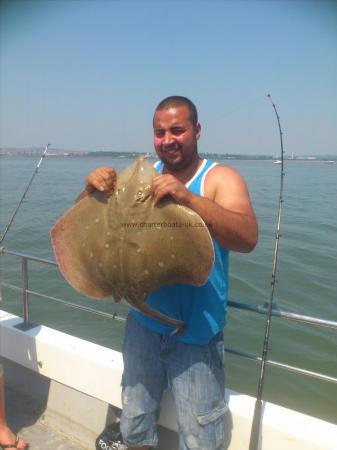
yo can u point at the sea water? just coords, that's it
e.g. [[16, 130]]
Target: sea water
[[306, 277]]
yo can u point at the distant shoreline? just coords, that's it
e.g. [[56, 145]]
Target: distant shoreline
[[34, 152]]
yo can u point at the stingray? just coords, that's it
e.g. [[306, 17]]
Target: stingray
[[127, 246]]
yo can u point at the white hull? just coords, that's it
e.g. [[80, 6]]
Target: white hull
[[85, 378]]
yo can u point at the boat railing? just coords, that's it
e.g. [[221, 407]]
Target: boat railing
[[259, 309]]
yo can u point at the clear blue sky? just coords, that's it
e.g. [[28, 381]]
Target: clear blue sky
[[86, 75]]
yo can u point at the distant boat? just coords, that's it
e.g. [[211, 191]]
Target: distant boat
[[277, 161], [329, 162], [148, 155]]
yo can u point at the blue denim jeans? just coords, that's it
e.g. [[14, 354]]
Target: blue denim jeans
[[195, 375]]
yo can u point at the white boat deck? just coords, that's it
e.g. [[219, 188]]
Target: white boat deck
[[55, 382]]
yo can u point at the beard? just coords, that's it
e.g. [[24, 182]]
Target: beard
[[175, 159]]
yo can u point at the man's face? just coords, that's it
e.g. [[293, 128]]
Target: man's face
[[175, 137]]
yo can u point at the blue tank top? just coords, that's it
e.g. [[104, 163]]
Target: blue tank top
[[202, 309]]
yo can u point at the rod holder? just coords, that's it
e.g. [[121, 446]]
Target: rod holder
[[25, 325]]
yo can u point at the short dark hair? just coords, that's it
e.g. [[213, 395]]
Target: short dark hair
[[177, 100]]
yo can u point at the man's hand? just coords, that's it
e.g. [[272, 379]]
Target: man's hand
[[163, 185], [103, 179]]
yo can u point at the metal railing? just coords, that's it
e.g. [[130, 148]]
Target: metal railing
[[26, 324]]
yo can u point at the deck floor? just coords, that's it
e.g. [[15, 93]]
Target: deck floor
[[26, 420]]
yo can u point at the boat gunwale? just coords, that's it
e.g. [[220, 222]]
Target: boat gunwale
[[260, 309]]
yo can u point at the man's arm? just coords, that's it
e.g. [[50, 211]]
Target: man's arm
[[226, 207]]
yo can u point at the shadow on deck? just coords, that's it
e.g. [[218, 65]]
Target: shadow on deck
[[27, 419]]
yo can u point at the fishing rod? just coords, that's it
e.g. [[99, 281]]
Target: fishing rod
[[24, 194], [257, 418]]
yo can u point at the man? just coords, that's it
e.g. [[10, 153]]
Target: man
[[191, 365], [8, 440]]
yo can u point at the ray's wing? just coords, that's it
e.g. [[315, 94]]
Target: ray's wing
[[83, 247], [172, 246], [88, 239]]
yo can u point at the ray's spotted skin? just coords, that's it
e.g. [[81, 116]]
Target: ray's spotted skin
[[128, 245]]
